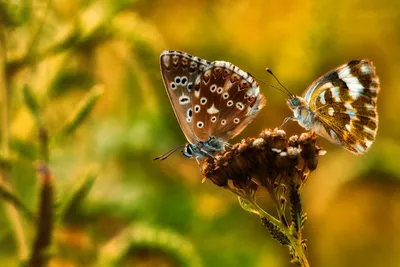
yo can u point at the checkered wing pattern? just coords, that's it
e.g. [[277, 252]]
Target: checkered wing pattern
[[344, 104]]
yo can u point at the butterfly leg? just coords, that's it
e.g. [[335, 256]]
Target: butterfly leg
[[286, 120], [206, 153], [227, 144], [198, 163]]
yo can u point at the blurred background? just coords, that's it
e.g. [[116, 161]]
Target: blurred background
[[118, 207]]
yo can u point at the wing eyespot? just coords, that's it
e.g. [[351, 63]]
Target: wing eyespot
[[173, 85], [177, 80], [239, 106], [183, 100], [189, 113], [213, 88], [184, 81], [190, 87]]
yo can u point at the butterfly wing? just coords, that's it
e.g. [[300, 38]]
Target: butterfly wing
[[179, 71], [344, 101], [225, 100]]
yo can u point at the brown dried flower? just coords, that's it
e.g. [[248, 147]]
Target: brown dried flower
[[265, 161], [277, 163]]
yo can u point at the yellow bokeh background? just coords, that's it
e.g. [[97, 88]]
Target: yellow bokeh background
[[352, 202]]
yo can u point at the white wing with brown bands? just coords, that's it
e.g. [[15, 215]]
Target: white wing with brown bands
[[344, 102]]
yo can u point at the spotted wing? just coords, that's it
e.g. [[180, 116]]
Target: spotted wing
[[344, 101], [179, 71], [225, 100]]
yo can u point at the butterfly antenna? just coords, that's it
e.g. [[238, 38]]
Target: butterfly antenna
[[168, 153], [286, 90], [273, 86]]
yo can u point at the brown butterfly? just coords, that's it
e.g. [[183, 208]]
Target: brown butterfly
[[213, 101]]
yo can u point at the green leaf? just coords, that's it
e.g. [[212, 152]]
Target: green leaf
[[137, 237], [9, 196], [82, 111], [65, 44], [12, 13], [24, 149], [70, 79], [32, 104], [246, 205], [275, 231], [296, 209], [77, 195]]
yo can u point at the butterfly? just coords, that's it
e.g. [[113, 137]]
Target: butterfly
[[213, 101], [341, 106]]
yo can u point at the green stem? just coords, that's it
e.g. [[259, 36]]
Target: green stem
[[281, 214], [294, 242], [246, 195], [265, 214], [13, 215]]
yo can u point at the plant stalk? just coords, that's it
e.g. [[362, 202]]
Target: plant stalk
[[294, 242], [12, 213]]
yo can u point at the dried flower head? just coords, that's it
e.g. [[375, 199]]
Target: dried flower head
[[269, 160], [279, 164]]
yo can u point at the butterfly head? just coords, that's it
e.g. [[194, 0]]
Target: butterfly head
[[301, 111], [188, 151], [201, 149], [296, 102]]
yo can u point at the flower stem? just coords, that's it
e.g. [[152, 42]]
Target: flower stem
[[44, 230], [13, 215], [281, 214], [265, 214], [295, 243]]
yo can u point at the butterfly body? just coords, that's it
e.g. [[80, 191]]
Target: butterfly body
[[341, 106], [302, 112], [213, 101], [202, 149]]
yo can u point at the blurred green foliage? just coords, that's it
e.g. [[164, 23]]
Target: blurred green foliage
[[130, 211]]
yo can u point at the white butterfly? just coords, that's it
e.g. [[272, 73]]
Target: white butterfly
[[341, 106]]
